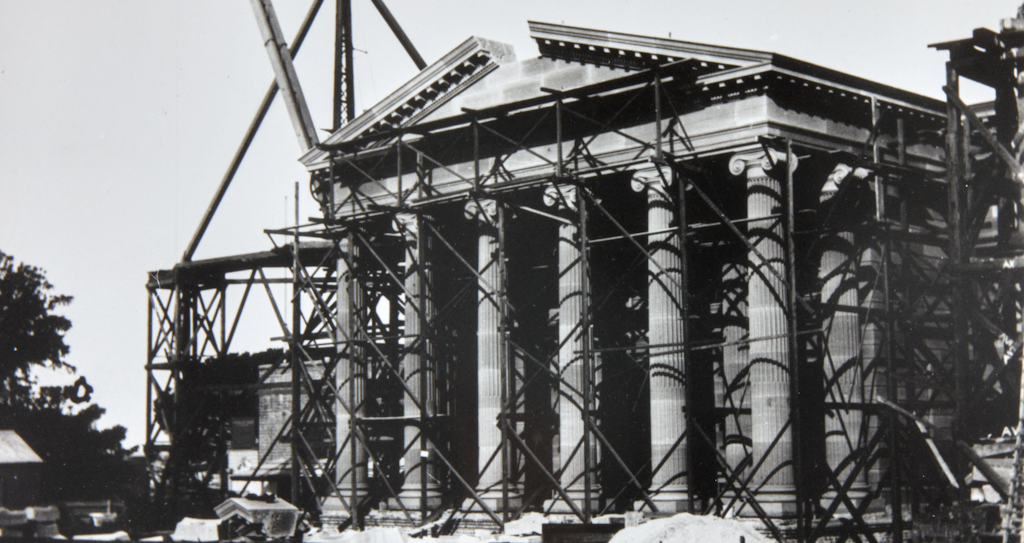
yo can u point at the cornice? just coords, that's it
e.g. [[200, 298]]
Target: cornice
[[768, 73], [635, 51], [428, 90], [631, 50]]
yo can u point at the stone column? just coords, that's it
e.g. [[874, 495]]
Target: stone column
[[873, 356], [571, 305], [770, 355], [488, 351], [665, 329], [350, 378], [841, 325], [420, 489], [735, 360]]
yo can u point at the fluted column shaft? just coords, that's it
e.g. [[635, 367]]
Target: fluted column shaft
[[873, 306], [488, 351], [421, 477], [767, 306], [350, 378], [841, 324], [735, 362], [873, 358], [666, 298], [570, 361], [488, 347], [571, 367]]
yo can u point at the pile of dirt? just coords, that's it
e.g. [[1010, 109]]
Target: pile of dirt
[[687, 528]]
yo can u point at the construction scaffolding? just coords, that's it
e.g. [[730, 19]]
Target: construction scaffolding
[[635, 274]]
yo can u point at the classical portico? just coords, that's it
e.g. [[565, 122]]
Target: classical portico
[[578, 236]]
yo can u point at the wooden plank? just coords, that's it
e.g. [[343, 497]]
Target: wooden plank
[[938, 456]]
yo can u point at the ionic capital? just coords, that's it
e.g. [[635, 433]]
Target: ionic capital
[[562, 197], [758, 163], [657, 178], [831, 186], [836, 178], [484, 210]]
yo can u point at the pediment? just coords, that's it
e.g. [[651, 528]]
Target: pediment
[[481, 75], [428, 90], [437, 84]]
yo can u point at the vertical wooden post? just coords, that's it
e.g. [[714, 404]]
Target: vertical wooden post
[[295, 358]]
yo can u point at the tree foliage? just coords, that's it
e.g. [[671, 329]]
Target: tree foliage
[[30, 334], [80, 462]]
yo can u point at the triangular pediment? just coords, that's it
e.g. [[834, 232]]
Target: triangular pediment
[[434, 86], [427, 94], [482, 77]]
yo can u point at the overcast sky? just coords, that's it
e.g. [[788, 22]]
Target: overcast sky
[[119, 118]]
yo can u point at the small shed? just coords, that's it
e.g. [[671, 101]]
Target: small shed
[[20, 472]]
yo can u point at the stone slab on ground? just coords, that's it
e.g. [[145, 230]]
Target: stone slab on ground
[[42, 514], [116, 536], [196, 529]]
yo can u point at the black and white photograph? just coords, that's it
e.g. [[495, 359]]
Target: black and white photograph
[[379, 271]]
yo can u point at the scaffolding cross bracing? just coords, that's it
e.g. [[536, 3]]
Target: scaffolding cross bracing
[[756, 331]]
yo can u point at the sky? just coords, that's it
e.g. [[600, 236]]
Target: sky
[[118, 119]]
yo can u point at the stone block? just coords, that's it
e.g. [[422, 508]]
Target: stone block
[[195, 529], [277, 517], [42, 514], [48, 530], [12, 518]]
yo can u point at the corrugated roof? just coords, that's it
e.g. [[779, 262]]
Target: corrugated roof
[[14, 450]]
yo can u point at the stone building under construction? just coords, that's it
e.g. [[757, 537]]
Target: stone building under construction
[[632, 274]]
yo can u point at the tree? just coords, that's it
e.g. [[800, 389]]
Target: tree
[[80, 462], [30, 334]]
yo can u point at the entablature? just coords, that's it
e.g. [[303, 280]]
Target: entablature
[[692, 107], [814, 98]]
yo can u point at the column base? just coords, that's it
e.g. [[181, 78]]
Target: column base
[[333, 513], [334, 507], [737, 500], [857, 495], [676, 500], [411, 499], [777, 501], [496, 501], [557, 505]]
